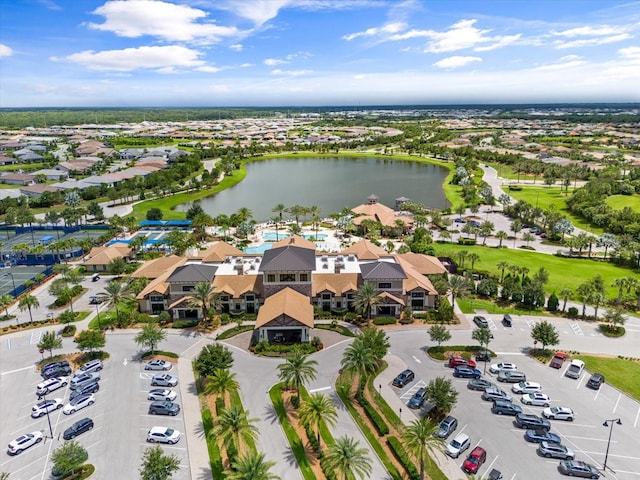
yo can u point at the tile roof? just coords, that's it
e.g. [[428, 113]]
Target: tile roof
[[337, 283], [294, 240], [424, 264], [193, 273], [104, 255], [286, 302], [158, 285], [218, 252], [288, 258], [366, 250], [382, 271], [237, 285], [158, 266]]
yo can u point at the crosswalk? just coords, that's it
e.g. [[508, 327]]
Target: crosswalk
[[575, 327], [35, 337]]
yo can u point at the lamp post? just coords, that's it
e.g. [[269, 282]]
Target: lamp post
[[380, 389], [98, 316], [41, 397], [400, 410], [609, 423]]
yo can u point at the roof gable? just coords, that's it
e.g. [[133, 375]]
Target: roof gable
[[288, 258], [193, 273], [286, 302], [382, 271]]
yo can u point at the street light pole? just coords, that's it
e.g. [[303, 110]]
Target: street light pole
[[98, 316], [606, 424], [44, 396]]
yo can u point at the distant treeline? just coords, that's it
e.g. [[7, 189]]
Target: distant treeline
[[17, 118]]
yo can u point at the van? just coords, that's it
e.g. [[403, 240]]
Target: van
[[506, 320], [575, 369]]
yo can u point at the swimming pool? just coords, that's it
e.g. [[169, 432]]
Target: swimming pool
[[271, 236], [258, 249]]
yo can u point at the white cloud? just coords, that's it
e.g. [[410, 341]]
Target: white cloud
[[209, 69], [135, 18], [456, 61], [501, 42], [630, 52], [290, 73], [236, 47], [5, 51], [246, 65], [272, 62], [590, 42], [385, 30], [138, 58], [570, 61], [258, 11], [589, 30]]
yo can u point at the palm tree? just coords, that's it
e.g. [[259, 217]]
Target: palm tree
[[234, 426], [297, 211], [565, 294], [276, 223], [205, 298], [28, 302], [318, 409], [502, 265], [115, 293], [252, 466], [221, 382], [376, 340], [420, 441], [297, 369], [473, 258], [279, 209], [5, 301], [366, 299], [359, 358], [348, 460], [501, 235], [458, 287]]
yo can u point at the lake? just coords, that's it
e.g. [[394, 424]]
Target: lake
[[331, 183]]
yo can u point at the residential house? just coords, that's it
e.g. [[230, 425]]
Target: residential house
[[99, 258]]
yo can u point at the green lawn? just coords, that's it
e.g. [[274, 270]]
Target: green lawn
[[618, 202], [581, 269], [622, 374]]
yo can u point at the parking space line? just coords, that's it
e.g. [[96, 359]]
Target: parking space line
[[637, 415], [164, 445], [576, 328], [491, 464], [492, 324], [17, 370], [617, 402], [589, 438], [35, 337], [530, 323], [146, 376], [8, 343]]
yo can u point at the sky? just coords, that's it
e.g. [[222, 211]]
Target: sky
[[218, 53]]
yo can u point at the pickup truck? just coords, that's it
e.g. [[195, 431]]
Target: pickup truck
[[558, 360]]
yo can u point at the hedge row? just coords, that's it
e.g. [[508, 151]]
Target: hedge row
[[384, 321], [372, 413], [402, 457], [184, 324]]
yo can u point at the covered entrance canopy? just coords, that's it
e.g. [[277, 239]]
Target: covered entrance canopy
[[285, 317]]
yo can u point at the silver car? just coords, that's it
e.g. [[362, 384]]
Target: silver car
[[555, 450], [161, 394], [164, 380]]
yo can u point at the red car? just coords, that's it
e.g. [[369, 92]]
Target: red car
[[457, 361], [558, 360], [475, 459]]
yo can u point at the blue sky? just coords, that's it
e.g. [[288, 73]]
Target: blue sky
[[317, 52]]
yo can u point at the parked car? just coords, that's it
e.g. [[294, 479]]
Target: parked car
[[58, 369], [77, 428], [555, 450], [163, 435], [455, 361], [83, 389], [504, 407], [575, 369], [538, 435], [158, 365], [92, 366], [559, 413], [558, 360], [23, 442], [46, 406], [495, 474], [52, 365], [503, 366], [466, 372], [79, 403], [418, 398], [507, 321], [50, 385], [164, 380], [575, 468], [481, 321], [512, 377], [404, 378], [526, 387], [596, 381], [161, 394], [527, 420], [474, 461], [458, 445], [164, 408], [83, 378], [479, 384], [537, 399], [494, 393], [483, 356], [446, 427]]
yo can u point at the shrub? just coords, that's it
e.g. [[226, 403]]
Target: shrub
[[372, 413], [384, 321], [68, 331], [553, 302], [184, 324], [313, 439], [225, 319], [315, 341], [402, 457], [572, 312], [148, 354], [466, 241], [295, 401]]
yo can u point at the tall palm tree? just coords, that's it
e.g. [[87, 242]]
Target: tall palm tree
[[297, 211], [279, 209], [458, 287], [252, 466], [359, 358], [366, 299], [565, 294], [317, 410], [5, 301], [420, 441], [501, 235], [117, 292], [501, 266], [221, 382], [28, 302], [297, 369], [348, 460], [205, 298], [235, 426], [276, 223], [377, 341]]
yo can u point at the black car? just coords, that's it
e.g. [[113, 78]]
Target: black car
[[526, 420], [479, 384], [77, 428], [92, 387], [403, 378], [164, 408], [56, 371], [483, 356], [596, 381], [418, 398], [507, 321], [504, 407]]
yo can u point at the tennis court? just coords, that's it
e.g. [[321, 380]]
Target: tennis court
[[12, 279]]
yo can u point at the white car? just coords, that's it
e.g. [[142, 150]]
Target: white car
[[458, 445], [79, 403], [503, 367], [23, 442], [559, 413], [83, 378], [164, 380], [46, 406], [538, 399], [526, 387], [158, 365], [50, 385], [163, 435], [161, 394]]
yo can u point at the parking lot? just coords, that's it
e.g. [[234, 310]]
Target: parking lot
[[506, 448], [120, 414]]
